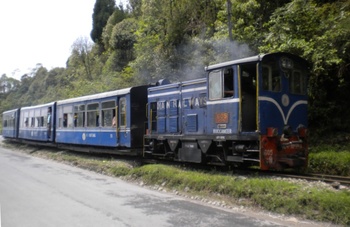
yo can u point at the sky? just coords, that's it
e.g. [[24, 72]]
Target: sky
[[41, 31]]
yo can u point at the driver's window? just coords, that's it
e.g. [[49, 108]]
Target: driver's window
[[221, 84]]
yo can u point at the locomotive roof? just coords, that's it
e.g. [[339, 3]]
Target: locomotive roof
[[96, 96], [256, 58], [235, 62]]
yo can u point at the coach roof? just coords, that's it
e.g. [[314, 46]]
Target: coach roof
[[38, 106], [96, 96]]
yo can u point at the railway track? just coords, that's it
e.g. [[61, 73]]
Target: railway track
[[330, 178]]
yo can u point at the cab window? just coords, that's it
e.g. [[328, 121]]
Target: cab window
[[221, 84], [271, 79], [297, 83]]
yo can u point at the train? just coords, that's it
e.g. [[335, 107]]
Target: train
[[245, 112]]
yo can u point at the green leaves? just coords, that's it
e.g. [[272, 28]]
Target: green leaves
[[103, 9]]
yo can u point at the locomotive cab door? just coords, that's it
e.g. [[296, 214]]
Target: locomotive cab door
[[248, 97]]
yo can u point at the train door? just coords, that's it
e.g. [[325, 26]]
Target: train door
[[248, 97], [223, 102], [120, 118], [123, 125]]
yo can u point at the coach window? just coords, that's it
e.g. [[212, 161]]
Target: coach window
[[45, 118], [40, 121], [66, 119], [10, 121], [26, 122], [31, 118], [122, 106], [67, 116], [32, 122], [108, 112], [93, 115], [79, 115]]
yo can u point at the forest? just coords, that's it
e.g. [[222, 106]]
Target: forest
[[150, 40]]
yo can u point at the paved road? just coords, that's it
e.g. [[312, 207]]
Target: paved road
[[39, 192]]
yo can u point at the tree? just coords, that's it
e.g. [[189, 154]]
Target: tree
[[165, 30], [81, 49], [246, 19], [118, 15], [8, 84], [229, 21], [103, 9]]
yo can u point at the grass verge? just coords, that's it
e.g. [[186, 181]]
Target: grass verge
[[331, 160], [275, 195]]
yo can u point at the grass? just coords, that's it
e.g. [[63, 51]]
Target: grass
[[270, 194], [275, 195], [330, 160]]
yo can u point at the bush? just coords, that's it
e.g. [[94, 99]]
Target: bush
[[330, 162]]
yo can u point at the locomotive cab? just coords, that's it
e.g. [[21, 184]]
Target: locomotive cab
[[264, 121]]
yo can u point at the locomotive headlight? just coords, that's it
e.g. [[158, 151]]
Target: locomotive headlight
[[302, 131], [271, 132], [287, 63], [287, 131]]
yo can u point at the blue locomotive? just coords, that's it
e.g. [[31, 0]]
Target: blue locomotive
[[250, 111]]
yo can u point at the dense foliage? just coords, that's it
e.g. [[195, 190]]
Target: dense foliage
[[154, 39]]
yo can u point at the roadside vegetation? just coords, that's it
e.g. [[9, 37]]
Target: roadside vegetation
[[330, 154], [306, 200], [331, 162]]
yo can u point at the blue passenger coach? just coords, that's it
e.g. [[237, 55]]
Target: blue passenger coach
[[114, 119], [10, 123], [37, 122]]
